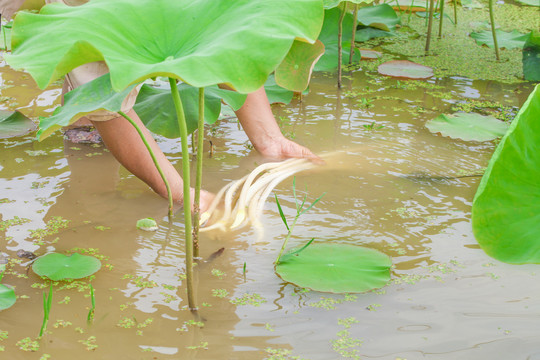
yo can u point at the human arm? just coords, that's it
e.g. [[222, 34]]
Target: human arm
[[260, 126]]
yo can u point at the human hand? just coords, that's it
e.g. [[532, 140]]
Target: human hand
[[283, 148]]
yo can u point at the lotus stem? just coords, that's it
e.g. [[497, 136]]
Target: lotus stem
[[154, 159], [90, 317], [492, 19], [441, 15], [342, 9], [355, 23], [455, 12], [430, 25], [198, 177], [187, 203]]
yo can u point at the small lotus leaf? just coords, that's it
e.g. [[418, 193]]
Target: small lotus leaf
[[531, 57], [60, 267], [336, 268], [155, 107], [369, 54], [405, 69], [147, 224], [468, 126], [295, 70], [13, 123], [382, 17], [95, 95], [7, 297], [505, 40], [506, 207], [202, 42]]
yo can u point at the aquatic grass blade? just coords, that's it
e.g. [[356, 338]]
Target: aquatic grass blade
[[313, 203], [281, 213], [294, 252]]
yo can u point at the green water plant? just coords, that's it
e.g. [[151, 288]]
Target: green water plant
[[531, 57], [506, 40], [47, 303], [506, 210], [336, 268], [467, 126], [172, 39], [147, 224], [58, 267]]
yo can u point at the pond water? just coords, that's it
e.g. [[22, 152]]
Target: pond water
[[392, 186]]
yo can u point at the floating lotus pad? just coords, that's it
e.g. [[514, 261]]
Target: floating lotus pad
[[405, 69], [147, 224], [468, 126], [336, 268], [505, 40], [506, 207], [7, 297], [238, 42], [369, 54], [60, 267], [13, 123]]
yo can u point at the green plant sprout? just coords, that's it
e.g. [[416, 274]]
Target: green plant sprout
[[299, 211], [372, 126], [90, 317], [47, 302]]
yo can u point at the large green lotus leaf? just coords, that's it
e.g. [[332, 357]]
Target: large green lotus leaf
[[531, 57], [202, 42], [155, 107], [329, 37], [467, 126], [506, 40], [382, 17], [506, 207], [336, 268], [277, 94], [295, 70], [60, 267], [7, 297], [405, 69], [13, 123], [95, 95]]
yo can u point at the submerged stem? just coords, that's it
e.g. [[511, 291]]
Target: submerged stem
[[198, 177], [343, 10], [441, 16], [430, 25], [154, 159], [187, 203], [355, 23]]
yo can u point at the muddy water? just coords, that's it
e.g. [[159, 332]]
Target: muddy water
[[390, 185]]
